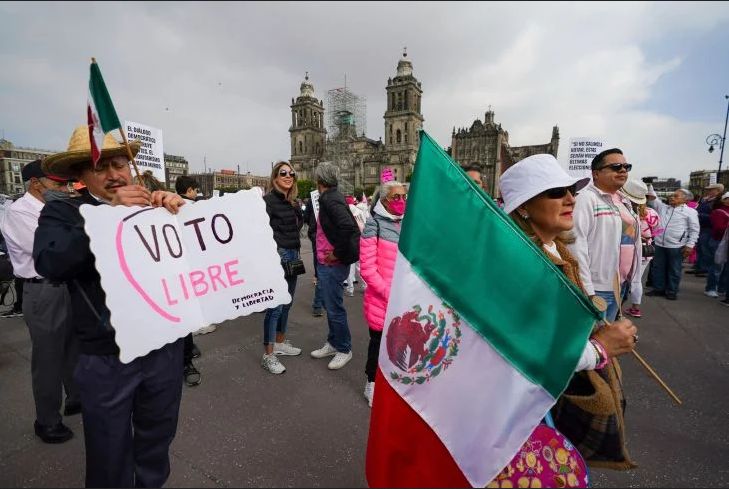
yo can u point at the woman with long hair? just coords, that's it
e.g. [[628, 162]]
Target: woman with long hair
[[540, 197], [286, 222]]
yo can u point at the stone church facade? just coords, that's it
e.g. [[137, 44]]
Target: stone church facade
[[361, 159]]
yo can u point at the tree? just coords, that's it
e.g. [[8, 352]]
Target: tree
[[305, 187]]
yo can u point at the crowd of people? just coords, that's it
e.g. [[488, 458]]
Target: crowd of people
[[602, 232]]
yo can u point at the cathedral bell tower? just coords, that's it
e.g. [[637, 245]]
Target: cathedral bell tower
[[403, 119], [308, 134]]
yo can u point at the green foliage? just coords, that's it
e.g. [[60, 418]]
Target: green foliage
[[305, 187], [230, 190]]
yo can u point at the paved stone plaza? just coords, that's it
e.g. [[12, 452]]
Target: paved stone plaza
[[244, 427]]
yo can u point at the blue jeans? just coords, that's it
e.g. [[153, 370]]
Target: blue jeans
[[318, 303], [667, 269], [277, 318], [715, 278], [613, 306], [704, 256], [331, 278]]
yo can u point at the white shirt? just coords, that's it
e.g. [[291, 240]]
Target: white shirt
[[18, 227], [681, 225]]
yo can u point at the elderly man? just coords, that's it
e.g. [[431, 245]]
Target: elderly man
[[704, 255], [337, 247], [129, 410], [607, 233], [681, 224], [46, 305]]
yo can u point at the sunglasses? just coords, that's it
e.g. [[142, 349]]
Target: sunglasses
[[560, 192], [619, 166], [397, 197], [284, 173]]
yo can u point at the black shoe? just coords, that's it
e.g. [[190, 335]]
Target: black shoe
[[53, 434], [192, 375], [725, 302], [195, 351], [13, 313], [700, 274], [317, 313], [656, 293], [671, 297], [691, 272], [72, 408]]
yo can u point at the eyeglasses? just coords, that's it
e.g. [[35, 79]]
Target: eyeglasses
[[284, 173], [397, 197], [618, 166], [560, 192]]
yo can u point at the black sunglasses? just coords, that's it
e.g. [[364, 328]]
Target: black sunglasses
[[560, 192], [283, 173], [618, 166]]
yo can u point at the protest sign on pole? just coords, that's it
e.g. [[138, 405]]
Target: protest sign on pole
[[151, 155], [315, 202], [712, 178], [168, 275], [581, 153]]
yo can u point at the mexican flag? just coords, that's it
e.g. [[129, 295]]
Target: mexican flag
[[101, 116], [482, 335]]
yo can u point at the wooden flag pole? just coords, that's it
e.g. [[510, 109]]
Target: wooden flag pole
[[131, 157], [601, 306]]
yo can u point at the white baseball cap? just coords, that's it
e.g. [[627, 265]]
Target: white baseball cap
[[725, 196], [532, 176]]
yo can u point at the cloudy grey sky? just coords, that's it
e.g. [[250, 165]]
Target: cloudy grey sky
[[648, 77]]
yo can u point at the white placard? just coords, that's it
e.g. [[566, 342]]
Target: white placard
[[151, 155], [315, 202], [712, 178], [167, 275], [581, 153]]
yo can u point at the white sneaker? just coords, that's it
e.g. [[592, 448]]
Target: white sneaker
[[205, 330], [271, 363], [325, 351], [369, 392], [340, 360], [711, 293], [286, 348]]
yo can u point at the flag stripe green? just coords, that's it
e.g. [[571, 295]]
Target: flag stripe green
[[102, 101], [509, 292]]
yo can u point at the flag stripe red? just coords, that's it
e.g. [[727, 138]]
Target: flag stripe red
[[403, 451], [95, 153]]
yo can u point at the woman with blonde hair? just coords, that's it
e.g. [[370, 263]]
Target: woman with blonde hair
[[286, 222], [540, 197]]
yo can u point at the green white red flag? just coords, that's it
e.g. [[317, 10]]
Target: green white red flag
[[100, 112], [482, 335]]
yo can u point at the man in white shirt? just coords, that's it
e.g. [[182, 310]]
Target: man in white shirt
[[46, 307], [681, 224]]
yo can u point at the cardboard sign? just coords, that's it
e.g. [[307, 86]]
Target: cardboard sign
[[315, 202], [151, 155], [581, 153], [168, 275]]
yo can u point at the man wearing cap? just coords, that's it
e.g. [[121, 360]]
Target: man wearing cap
[[130, 410], [681, 232], [607, 233], [46, 307], [704, 256]]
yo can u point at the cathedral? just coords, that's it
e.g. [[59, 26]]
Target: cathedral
[[361, 159]]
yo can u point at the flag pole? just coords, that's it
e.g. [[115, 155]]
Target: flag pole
[[131, 157]]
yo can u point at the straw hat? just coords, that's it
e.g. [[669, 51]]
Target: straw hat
[[69, 162], [635, 191]]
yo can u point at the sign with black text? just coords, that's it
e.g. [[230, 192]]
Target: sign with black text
[[151, 155]]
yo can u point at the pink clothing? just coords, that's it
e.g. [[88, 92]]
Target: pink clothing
[[323, 246], [377, 255], [719, 222], [649, 225], [628, 238]]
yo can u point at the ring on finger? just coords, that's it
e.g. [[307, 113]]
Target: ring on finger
[[635, 338]]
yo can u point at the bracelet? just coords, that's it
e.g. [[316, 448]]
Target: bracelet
[[601, 352]]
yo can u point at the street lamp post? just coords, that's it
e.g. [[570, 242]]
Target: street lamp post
[[714, 139]]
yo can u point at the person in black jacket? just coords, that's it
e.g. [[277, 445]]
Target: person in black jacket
[[337, 247], [310, 218], [129, 411], [286, 221]]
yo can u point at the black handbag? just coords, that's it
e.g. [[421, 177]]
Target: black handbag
[[293, 268], [649, 250]]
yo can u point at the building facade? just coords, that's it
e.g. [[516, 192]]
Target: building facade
[[12, 161], [359, 158], [175, 166], [213, 181], [487, 145]]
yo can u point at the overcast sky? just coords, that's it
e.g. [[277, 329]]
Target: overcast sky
[[218, 78]]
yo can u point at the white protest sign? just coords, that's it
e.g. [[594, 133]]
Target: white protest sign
[[168, 275], [151, 155], [712, 178], [581, 152], [315, 202]]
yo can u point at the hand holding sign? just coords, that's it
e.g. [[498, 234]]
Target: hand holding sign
[[168, 275]]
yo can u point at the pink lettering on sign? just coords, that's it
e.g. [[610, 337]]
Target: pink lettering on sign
[[202, 282], [232, 273]]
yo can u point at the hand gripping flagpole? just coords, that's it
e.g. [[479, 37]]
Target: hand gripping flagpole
[[601, 306]]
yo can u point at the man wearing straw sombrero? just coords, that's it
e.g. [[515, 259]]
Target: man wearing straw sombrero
[[129, 410]]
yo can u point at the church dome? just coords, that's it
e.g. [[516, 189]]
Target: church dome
[[307, 89], [404, 66]]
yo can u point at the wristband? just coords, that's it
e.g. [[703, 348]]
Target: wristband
[[602, 352]]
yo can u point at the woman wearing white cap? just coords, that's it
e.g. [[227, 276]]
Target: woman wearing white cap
[[635, 191], [540, 197]]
